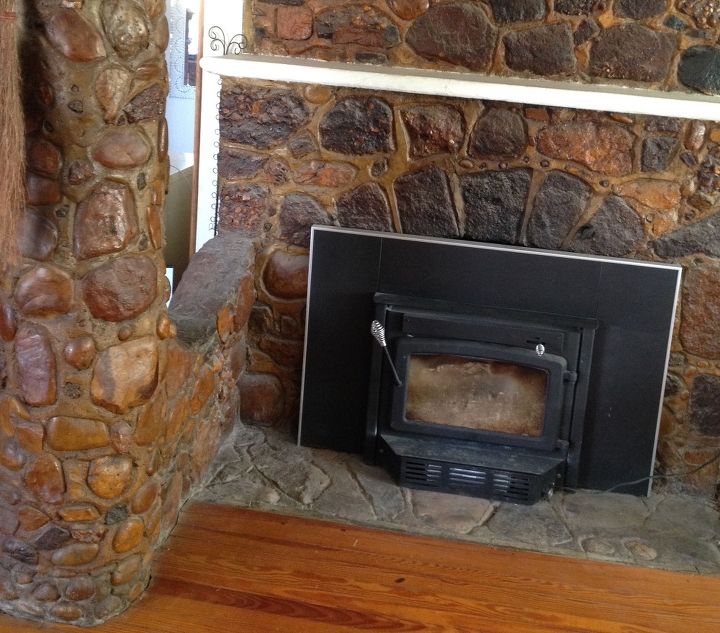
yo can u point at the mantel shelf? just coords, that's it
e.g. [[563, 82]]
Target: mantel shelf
[[468, 85]]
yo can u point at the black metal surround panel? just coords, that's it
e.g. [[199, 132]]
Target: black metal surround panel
[[632, 301]]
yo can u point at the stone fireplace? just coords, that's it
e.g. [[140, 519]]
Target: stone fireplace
[[112, 408]]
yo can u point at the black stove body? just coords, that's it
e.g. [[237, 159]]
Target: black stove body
[[583, 340]]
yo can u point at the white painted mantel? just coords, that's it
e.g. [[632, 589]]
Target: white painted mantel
[[539, 92]]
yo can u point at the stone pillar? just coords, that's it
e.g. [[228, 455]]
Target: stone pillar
[[106, 420]]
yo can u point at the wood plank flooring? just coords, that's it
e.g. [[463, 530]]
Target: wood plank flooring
[[229, 570]]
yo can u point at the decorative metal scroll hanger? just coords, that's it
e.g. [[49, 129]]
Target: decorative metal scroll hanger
[[218, 41]]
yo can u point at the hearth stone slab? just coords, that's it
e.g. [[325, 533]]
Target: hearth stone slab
[[263, 468]]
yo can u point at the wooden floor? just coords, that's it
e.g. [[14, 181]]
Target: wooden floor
[[228, 570]]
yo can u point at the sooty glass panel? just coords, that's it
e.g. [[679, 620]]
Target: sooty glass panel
[[476, 394]]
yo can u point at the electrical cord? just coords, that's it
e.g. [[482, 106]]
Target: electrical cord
[[623, 484]]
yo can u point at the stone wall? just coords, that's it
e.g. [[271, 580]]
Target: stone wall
[[588, 182], [107, 420], [663, 44]]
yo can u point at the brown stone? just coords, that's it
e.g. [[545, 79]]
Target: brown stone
[[38, 235], [365, 207], [244, 208], [76, 434], [179, 365], [108, 477], [260, 117], [632, 51], [603, 147], [261, 398], [204, 386], [79, 513], [46, 592], [80, 171], [8, 323], [74, 36], [122, 148], [457, 33], [283, 352], [172, 496], [42, 191], [149, 104], [178, 417], [126, 27], [151, 422], [499, 133], [105, 221], [36, 365], [44, 158], [425, 203], [298, 212], [11, 455], [80, 588], [354, 24], [29, 436], [701, 310], [543, 50], [433, 130], [44, 291], [111, 89], [80, 352], [358, 126], [75, 479], [325, 174], [294, 23], [67, 612], [408, 9], [125, 375], [657, 194], [31, 519], [145, 496], [75, 554], [225, 323], [44, 478], [165, 328], [121, 289], [128, 535], [126, 570], [286, 275]]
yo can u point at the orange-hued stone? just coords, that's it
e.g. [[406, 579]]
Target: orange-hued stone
[[75, 554], [154, 222], [11, 455], [122, 148], [225, 323], [658, 194], [67, 611], [44, 291], [8, 323], [126, 570], [76, 480], [125, 375], [151, 421], [74, 36], [31, 519], [108, 477], [76, 434], [204, 387], [11, 409], [111, 89], [44, 478], [165, 327], [179, 366], [80, 352], [286, 275], [80, 588], [177, 418], [29, 436], [36, 365], [128, 535], [79, 513], [145, 496]]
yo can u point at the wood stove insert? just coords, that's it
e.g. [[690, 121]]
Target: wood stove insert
[[521, 370]]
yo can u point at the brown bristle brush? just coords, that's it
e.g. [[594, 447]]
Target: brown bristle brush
[[12, 136]]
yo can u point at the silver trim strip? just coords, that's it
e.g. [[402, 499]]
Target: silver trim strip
[[307, 320]]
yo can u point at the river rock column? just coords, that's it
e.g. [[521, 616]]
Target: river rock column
[[100, 404]]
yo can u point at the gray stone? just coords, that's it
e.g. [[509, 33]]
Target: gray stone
[[291, 470], [699, 68], [425, 203], [236, 163], [591, 511], [639, 9], [365, 207], [615, 230], [632, 51], [701, 237], [558, 205], [52, 538], [343, 498], [577, 7], [544, 50], [705, 405], [457, 33], [358, 126], [537, 526], [658, 152], [518, 10], [298, 212], [587, 29], [451, 513], [259, 117], [384, 494], [495, 204], [499, 133]]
